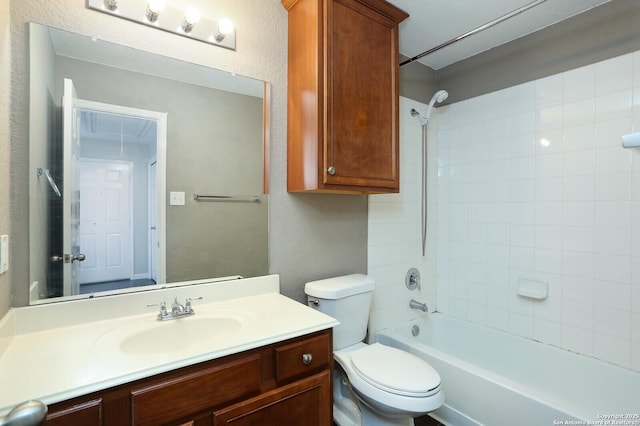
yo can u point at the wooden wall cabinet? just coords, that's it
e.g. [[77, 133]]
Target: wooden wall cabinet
[[284, 383], [342, 106]]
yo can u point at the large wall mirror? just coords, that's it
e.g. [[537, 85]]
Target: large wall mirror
[[144, 170]]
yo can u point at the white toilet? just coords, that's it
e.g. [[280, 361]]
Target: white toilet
[[372, 384]]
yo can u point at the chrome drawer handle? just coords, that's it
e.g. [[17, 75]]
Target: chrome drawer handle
[[306, 359]]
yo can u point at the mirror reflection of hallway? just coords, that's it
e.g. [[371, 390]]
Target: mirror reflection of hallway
[[118, 225], [118, 202]]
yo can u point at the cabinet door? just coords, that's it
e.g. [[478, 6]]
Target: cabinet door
[[306, 402], [361, 146]]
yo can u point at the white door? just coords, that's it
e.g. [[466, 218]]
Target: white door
[[105, 224], [70, 190]]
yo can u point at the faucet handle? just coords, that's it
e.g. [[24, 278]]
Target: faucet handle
[[163, 309], [187, 306]]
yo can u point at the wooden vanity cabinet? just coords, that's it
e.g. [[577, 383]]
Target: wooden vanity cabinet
[[284, 383], [342, 106]]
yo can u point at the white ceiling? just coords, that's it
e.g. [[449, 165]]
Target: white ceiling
[[433, 22]]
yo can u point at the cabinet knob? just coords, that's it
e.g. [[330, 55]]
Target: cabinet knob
[[331, 170], [306, 359]]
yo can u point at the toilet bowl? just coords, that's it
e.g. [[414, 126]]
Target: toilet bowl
[[374, 385]]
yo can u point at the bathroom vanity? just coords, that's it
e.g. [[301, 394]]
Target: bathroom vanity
[[270, 385], [248, 356]]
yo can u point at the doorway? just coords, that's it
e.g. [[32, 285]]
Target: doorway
[[119, 196]]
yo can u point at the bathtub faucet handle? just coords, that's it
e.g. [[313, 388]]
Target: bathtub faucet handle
[[414, 304]]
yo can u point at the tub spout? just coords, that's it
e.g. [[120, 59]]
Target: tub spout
[[414, 304]]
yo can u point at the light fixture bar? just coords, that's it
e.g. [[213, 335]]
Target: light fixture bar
[[186, 23]]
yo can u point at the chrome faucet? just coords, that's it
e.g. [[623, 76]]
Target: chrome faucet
[[178, 310], [414, 304]]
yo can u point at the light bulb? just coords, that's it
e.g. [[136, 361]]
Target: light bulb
[[154, 7], [191, 17], [111, 5], [225, 26]]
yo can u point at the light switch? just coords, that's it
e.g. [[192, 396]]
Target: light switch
[[176, 198], [4, 253]]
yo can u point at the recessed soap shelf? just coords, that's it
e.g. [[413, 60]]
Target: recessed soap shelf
[[533, 288]]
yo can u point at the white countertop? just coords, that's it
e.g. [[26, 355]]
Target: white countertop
[[74, 358]]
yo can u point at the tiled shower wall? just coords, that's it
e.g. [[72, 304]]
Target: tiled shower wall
[[530, 182], [394, 234], [533, 184]]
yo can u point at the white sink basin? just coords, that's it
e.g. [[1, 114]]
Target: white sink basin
[[148, 336]]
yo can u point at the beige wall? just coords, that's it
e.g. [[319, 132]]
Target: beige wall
[[5, 144], [311, 235]]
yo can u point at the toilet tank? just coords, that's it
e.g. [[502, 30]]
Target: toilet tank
[[346, 298]]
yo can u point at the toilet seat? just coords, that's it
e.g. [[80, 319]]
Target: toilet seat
[[378, 383], [395, 371]]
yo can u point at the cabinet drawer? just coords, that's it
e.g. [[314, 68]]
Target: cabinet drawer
[[86, 413], [303, 357], [171, 400]]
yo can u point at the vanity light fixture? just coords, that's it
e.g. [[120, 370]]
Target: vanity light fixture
[[191, 17], [154, 7], [186, 22], [111, 5]]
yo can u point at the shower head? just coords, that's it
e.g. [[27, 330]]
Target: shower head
[[438, 97]]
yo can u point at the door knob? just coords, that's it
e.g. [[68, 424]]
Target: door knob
[[331, 170], [30, 413], [70, 258]]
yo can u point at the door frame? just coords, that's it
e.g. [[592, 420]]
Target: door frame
[[161, 156]]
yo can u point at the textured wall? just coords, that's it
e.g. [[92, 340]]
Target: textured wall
[[5, 145], [311, 235]]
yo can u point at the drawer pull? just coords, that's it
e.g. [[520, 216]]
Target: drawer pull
[[306, 359]]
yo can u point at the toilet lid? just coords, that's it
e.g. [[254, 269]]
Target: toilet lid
[[395, 371]]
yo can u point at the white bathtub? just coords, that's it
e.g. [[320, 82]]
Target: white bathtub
[[494, 378]]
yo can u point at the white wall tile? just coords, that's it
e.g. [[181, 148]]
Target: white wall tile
[[578, 213], [578, 238], [613, 349], [578, 314], [579, 112], [577, 339], [609, 132], [578, 163], [579, 83], [579, 137], [614, 74], [549, 90], [578, 289], [547, 331], [614, 105]]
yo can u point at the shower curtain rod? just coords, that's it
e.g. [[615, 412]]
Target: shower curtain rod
[[474, 31]]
